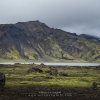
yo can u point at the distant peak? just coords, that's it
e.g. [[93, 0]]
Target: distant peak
[[29, 21], [86, 36]]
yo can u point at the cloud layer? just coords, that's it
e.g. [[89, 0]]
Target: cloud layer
[[79, 16]]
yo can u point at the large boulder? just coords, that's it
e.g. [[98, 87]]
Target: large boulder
[[95, 85], [63, 74], [34, 70], [53, 71], [98, 67], [2, 79]]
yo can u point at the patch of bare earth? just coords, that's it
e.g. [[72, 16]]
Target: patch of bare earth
[[48, 93]]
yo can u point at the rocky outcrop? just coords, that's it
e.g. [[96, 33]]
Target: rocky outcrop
[[2, 80], [34, 70]]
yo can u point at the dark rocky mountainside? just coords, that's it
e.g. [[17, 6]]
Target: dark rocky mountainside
[[35, 41]]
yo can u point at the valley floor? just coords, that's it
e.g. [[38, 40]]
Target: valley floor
[[75, 83]]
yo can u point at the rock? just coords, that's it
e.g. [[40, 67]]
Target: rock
[[95, 85], [63, 74], [2, 80], [34, 70], [97, 68], [53, 71], [42, 65], [1, 65], [48, 71]]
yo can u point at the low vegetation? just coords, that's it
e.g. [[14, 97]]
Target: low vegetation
[[17, 75], [22, 78]]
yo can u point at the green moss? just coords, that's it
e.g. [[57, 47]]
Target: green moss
[[41, 49], [29, 53], [13, 54], [78, 77]]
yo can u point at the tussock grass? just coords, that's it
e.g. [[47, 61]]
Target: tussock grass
[[16, 75]]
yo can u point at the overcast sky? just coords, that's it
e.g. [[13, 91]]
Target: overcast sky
[[78, 16]]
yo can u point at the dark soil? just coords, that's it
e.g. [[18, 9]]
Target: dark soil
[[48, 93]]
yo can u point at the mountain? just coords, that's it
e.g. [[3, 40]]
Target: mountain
[[35, 41], [89, 37]]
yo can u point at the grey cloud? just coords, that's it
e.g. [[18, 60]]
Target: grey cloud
[[79, 16], [83, 30]]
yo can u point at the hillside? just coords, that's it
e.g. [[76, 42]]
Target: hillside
[[35, 41]]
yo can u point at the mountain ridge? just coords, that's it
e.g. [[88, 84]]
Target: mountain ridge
[[35, 41]]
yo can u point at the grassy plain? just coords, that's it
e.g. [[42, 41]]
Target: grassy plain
[[17, 78]]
